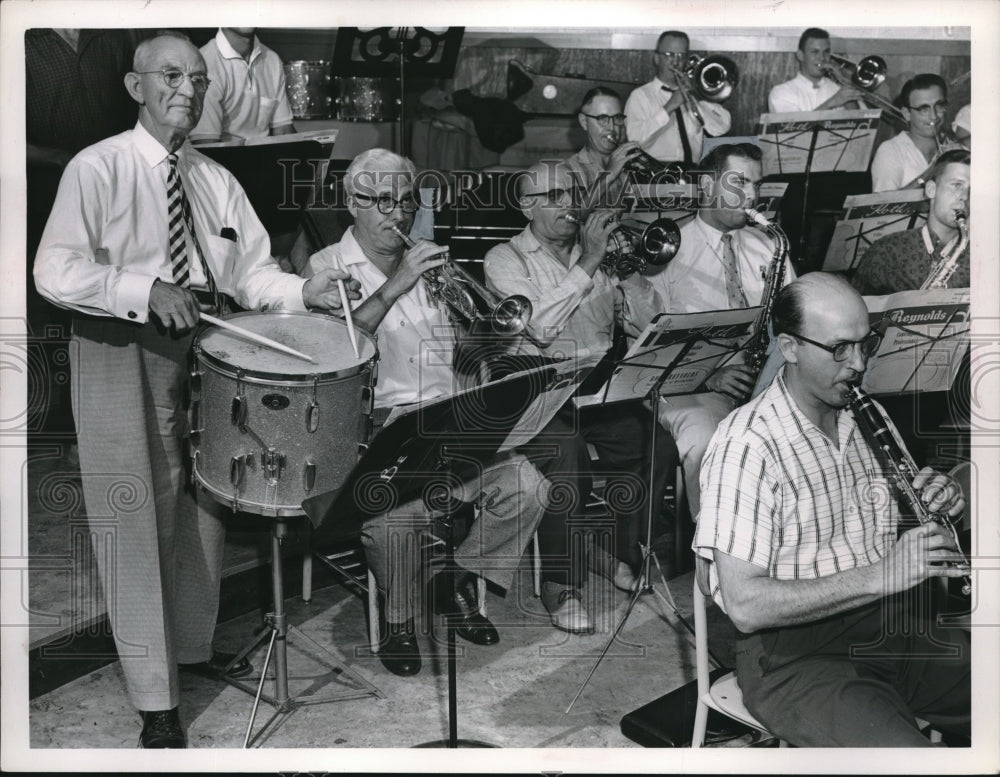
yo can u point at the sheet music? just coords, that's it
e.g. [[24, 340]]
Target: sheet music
[[867, 217], [691, 345], [818, 141], [926, 337]]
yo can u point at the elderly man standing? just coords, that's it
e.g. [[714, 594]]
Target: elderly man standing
[[656, 116], [556, 263], [145, 233], [800, 532], [416, 343]]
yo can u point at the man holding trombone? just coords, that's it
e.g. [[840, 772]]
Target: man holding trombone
[[812, 89], [663, 116]]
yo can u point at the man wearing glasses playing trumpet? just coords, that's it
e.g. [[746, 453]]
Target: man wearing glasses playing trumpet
[[556, 263], [663, 116]]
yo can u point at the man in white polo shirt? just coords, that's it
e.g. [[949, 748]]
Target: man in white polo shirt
[[246, 97]]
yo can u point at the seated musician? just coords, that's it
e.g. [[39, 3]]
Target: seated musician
[[600, 166], [961, 126], [799, 535], [910, 258], [811, 89], [901, 160], [416, 340], [556, 263], [720, 265], [656, 114]]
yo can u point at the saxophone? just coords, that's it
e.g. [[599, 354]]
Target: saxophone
[[943, 269], [774, 279], [875, 428]]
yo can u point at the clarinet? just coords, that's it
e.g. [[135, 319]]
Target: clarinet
[[875, 428]]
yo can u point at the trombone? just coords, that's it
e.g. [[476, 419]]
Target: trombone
[[867, 74], [711, 78]]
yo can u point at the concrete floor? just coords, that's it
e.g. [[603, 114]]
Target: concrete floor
[[513, 695]]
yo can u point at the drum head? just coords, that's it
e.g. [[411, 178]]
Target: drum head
[[322, 337]]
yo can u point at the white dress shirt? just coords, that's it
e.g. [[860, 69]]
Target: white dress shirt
[[896, 163], [694, 281], [652, 128], [573, 314], [247, 99], [801, 94], [416, 339], [105, 242]]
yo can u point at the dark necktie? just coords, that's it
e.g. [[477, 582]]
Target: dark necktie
[[733, 291], [681, 129]]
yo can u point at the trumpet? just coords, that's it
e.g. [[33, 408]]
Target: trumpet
[[711, 78], [945, 267], [868, 74], [646, 168], [632, 248], [903, 468], [453, 286]]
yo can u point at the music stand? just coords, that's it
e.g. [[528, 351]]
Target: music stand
[[664, 349], [424, 450], [867, 217], [816, 142]]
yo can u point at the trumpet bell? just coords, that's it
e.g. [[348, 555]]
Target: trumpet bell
[[511, 315], [715, 77], [632, 248], [660, 241]]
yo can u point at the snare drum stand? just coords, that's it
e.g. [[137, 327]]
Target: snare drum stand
[[277, 626]]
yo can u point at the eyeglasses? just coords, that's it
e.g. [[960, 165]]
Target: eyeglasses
[[386, 203], [575, 194], [929, 110], [606, 121], [867, 345], [173, 78]]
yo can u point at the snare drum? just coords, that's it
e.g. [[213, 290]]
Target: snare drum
[[307, 84], [270, 430], [366, 99]]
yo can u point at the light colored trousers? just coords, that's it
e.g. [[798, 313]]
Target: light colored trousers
[[691, 420], [158, 553], [511, 495]]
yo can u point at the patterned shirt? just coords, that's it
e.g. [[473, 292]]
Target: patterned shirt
[[75, 98], [800, 94], [903, 260], [778, 493], [573, 314]]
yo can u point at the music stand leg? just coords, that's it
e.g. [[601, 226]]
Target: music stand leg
[[452, 741], [645, 578]]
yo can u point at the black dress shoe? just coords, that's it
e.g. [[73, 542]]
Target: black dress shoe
[[162, 728], [456, 599], [399, 652], [216, 665]]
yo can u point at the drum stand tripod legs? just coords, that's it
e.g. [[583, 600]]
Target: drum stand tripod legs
[[276, 632]]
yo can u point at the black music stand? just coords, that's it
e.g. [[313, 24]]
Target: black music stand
[[659, 352], [423, 451], [390, 51]]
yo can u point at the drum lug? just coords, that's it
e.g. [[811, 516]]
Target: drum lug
[[238, 412], [196, 383], [309, 475], [238, 467], [196, 427], [367, 400], [362, 448], [274, 463], [312, 416]]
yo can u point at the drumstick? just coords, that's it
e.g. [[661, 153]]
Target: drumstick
[[256, 337], [347, 317]]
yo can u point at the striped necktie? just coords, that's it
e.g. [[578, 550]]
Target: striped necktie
[[177, 215], [734, 292]]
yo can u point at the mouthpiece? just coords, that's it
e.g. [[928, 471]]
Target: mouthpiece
[[754, 216], [403, 236]]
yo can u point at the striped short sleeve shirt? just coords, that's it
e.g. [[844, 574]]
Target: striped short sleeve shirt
[[779, 494]]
